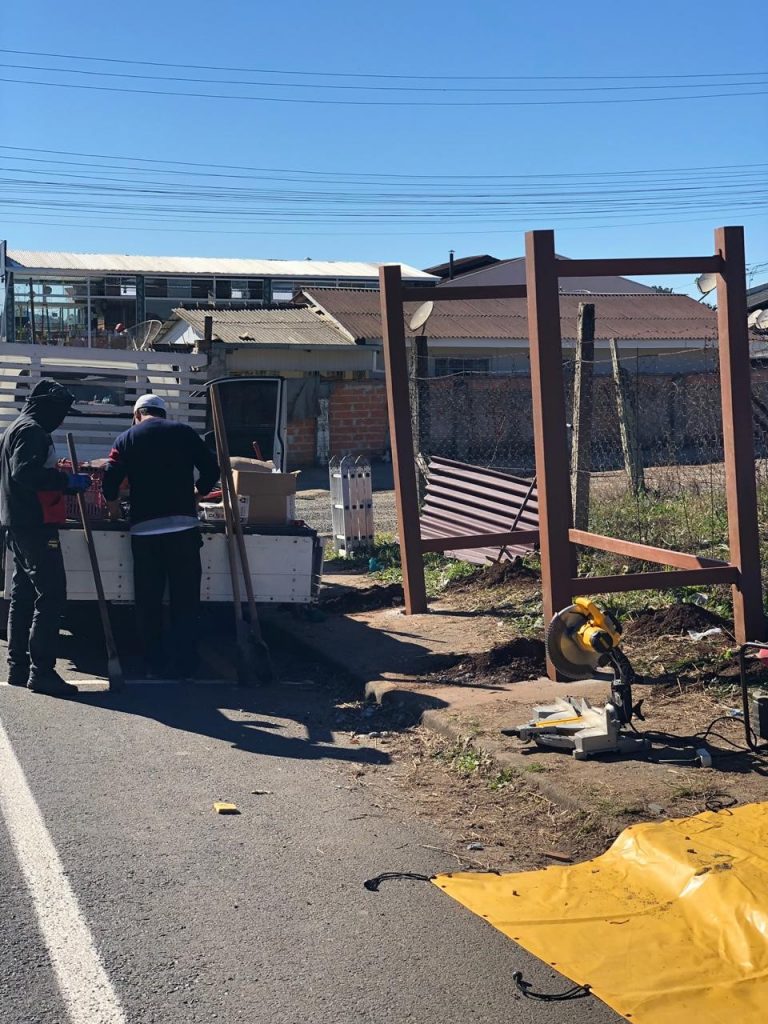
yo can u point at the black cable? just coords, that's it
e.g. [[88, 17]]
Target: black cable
[[574, 992], [351, 74], [411, 177], [720, 802], [372, 884], [383, 88], [382, 103]]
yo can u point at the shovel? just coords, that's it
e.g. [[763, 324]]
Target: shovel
[[252, 649], [114, 668]]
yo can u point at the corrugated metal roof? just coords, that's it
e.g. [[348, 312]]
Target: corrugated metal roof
[[285, 326], [649, 316], [513, 272], [113, 263], [463, 265], [757, 296]]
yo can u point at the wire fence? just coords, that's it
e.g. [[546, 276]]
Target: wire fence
[[653, 452]]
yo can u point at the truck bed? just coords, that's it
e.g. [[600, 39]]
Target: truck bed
[[285, 563]]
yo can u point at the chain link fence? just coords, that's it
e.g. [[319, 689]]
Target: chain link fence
[[654, 451]]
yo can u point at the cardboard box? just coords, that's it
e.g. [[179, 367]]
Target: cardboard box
[[213, 511], [251, 465], [272, 495]]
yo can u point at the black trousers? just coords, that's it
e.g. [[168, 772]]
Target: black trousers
[[38, 599], [171, 559]]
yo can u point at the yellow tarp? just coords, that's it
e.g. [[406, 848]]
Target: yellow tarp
[[669, 926]]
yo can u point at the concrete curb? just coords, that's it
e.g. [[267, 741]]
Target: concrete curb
[[439, 721], [389, 694]]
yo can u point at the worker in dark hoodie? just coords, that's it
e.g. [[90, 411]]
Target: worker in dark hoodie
[[32, 508]]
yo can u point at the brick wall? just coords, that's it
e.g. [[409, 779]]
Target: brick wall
[[358, 418], [357, 412], [301, 443]]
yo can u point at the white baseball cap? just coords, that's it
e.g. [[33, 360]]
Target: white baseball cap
[[149, 402]]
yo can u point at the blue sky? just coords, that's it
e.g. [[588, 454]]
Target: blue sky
[[597, 38]]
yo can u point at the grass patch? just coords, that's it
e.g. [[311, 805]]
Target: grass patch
[[383, 563], [502, 779], [535, 768], [467, 763]]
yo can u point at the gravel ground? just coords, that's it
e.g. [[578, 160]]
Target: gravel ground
[[314, 506]]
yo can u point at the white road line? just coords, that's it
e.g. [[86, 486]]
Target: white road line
[[83, 981]]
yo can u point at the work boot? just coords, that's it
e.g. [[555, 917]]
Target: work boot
[[18, 675], [51, 684]]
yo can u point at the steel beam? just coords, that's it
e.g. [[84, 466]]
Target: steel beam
[[644, 552], [655, 580], [479, 540], [738, 440], [478, 291], [401, 437], [644, 265], [558, 564]]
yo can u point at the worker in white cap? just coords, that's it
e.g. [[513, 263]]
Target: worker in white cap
[[159, 457]]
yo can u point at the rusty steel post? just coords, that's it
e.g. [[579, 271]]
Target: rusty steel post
[[558, 562], [738, 440], [401, 438]]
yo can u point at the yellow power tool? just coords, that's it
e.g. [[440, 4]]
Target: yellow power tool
[[583, 638]]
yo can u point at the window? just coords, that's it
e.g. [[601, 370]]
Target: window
[[179, 288], [239, 289], [54, 312], [202, 288], [445, 367], [156, 288]]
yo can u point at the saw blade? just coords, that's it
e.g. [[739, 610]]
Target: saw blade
[[565, 652]]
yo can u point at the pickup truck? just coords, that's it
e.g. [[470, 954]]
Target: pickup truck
[[285, 560]]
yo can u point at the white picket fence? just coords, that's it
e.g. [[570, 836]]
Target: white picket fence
[[106, 383]]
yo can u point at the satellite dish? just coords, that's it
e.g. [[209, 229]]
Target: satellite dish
[[140, 337], [762, 321], [420, 317], [706, 283], [754, 316]]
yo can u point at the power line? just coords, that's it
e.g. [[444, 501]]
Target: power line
[[405, 233], [351, 74], [387, 88], [393, 176], [383, 103]]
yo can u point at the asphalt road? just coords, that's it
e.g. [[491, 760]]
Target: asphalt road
[[258, 917]]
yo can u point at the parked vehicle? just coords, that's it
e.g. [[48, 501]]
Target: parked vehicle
[[285, 559]]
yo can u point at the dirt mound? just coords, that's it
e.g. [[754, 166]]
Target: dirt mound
[[514, 661], [673, 621], [497, 574], [363, 599]]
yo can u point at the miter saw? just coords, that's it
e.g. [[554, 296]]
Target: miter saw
[[582, 642]]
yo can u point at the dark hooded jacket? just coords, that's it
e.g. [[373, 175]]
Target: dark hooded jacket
[[31, 487]]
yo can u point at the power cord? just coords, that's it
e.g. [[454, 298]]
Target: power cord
[[574, 992], [372, 884]]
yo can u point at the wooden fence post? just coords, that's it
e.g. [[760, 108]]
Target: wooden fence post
[[419, 385], [738, 439], [403, 467], [581, 450], [630, 447]]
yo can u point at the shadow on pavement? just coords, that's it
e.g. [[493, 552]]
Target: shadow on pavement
[[202, 709]]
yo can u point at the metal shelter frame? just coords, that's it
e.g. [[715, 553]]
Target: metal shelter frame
[[557, 538]]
